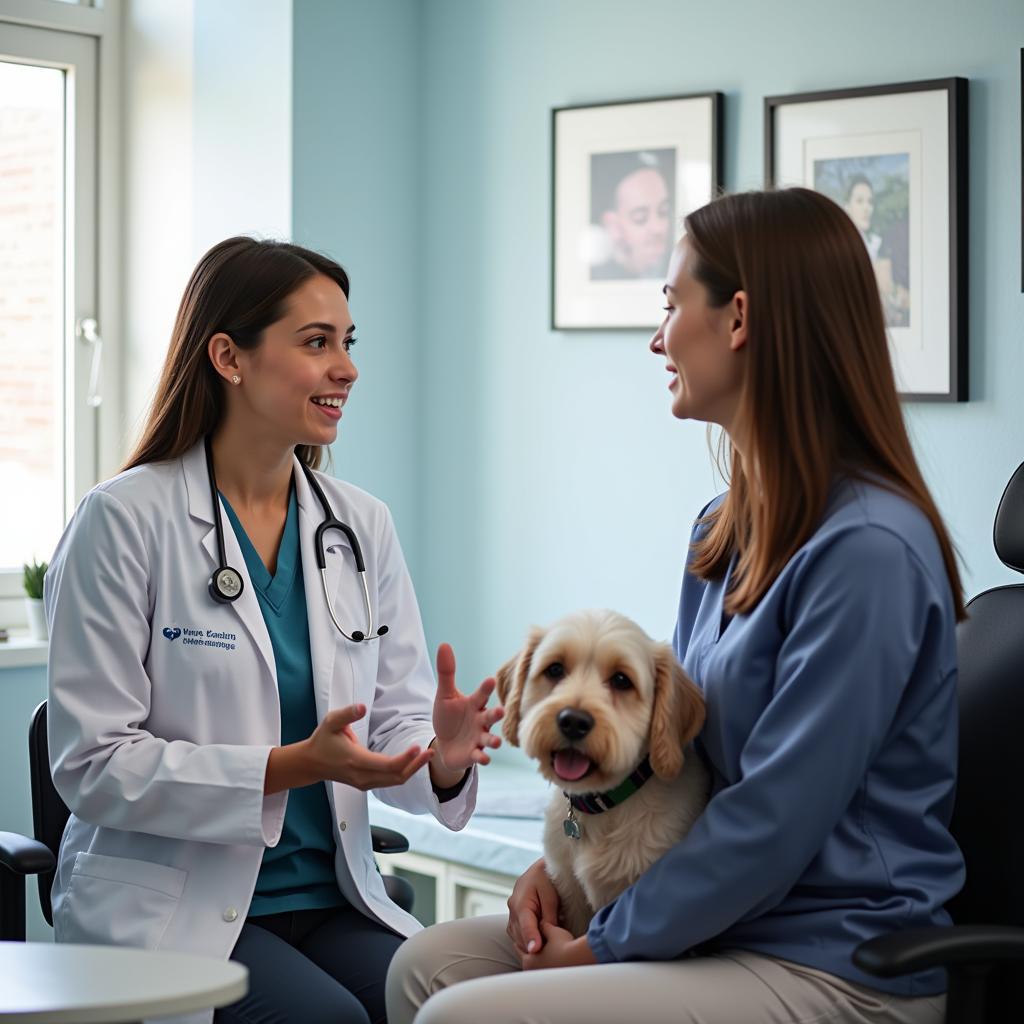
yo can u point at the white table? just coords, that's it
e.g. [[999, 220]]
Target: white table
[[61, 983]]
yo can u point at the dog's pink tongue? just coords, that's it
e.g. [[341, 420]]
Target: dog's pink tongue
[[571, 765]]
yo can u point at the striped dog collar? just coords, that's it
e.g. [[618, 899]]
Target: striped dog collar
[[595, 803]]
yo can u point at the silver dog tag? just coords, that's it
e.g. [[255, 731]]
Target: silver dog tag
[[571, 827]]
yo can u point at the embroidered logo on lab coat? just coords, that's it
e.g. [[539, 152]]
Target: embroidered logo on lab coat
[[202, 637]]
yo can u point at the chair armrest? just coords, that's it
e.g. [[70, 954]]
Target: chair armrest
[[24, 856], [917, 949], [385, 840]]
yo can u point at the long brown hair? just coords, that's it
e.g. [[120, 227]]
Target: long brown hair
[[239, 287], [818, 395]]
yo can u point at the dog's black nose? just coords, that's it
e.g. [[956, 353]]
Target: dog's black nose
[[574, 724]]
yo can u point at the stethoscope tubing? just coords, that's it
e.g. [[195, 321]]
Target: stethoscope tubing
[[234, 578]]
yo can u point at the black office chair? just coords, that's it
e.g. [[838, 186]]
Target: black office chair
[[21, 856], [985, 986]]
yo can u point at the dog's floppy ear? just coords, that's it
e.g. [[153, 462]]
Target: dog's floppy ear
[[511, 678], [677, 716]]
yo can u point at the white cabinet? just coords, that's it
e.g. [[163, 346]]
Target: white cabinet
[[446, 890], [472, 871]]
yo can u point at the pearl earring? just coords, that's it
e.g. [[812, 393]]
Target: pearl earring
[[235, 379]]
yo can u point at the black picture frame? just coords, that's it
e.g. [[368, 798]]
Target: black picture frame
[[581, 300], [940, 374]]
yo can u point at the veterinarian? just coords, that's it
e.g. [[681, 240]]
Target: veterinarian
[[218, 705], [817, 615]]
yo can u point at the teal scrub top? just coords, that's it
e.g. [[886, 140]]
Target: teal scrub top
[[298, 873]]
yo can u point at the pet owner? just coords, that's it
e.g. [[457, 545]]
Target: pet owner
[[817, 614], [218, 705]]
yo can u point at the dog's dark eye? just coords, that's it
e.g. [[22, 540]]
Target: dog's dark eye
[[554, 671], [620, 681]]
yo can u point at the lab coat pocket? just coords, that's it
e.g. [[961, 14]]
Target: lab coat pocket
[[119, 901]]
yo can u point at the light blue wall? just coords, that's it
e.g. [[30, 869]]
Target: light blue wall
[[354, 157], [548, 472], [241, 120]]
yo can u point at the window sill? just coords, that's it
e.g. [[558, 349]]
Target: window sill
[[21, 651]]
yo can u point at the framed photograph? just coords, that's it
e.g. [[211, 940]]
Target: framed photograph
[[895, 158], [623, 177]]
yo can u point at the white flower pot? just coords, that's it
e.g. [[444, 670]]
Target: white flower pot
[[36, 618]]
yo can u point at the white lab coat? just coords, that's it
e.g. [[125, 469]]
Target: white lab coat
[[159, 739]]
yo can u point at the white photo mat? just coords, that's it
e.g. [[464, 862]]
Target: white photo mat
[[915, 124], [685, 125]]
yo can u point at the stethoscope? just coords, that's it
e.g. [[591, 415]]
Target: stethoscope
[[226, 584]]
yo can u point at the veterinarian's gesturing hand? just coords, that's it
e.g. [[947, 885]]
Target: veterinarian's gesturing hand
[[560, 950], [534, 899], [333, 752], [461, 724]]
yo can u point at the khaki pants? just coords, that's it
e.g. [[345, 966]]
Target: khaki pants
[[467, 972]]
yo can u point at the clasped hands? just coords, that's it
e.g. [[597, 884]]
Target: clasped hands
[[533, 928]]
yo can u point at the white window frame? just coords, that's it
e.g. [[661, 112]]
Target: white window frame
[[96, 292]]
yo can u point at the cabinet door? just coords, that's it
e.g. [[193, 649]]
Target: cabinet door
[[425, 887], [474, 902]]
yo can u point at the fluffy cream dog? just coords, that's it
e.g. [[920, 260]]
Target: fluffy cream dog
[[607, 713]]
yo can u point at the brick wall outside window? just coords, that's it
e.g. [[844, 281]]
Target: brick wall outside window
[[31, 310]]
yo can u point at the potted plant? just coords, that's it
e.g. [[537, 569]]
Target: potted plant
[[33, 580]]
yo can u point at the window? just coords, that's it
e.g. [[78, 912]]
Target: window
[[54, 302], [32, 315]]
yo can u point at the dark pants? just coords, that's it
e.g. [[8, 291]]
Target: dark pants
[[313, 967]]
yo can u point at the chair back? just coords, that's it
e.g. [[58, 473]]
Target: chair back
[[987, 820], [49, 812]]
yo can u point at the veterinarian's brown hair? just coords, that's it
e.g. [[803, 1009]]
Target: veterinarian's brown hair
[[818, 395], [240, 286]]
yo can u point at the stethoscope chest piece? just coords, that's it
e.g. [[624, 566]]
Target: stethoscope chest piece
[[225, 584]]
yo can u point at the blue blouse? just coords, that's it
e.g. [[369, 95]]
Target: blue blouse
[[831, 734], [298, 873]]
